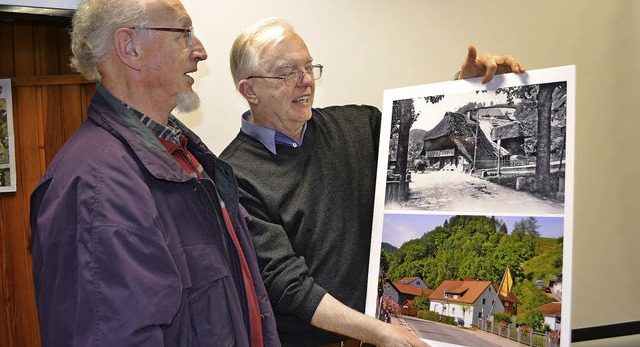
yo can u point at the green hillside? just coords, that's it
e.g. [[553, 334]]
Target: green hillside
[[481, 247]]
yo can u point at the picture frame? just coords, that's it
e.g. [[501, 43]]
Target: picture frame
[[7, 141]]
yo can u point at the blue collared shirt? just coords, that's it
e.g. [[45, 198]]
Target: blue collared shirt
[[270, 137]]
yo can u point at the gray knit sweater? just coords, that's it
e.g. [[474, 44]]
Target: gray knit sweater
[[312, 209]]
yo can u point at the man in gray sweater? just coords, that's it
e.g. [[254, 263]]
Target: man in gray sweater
[[307, 176]]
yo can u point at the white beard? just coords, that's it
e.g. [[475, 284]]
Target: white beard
[[188, 102]]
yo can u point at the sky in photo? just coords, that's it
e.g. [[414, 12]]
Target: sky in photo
[[399, 228]]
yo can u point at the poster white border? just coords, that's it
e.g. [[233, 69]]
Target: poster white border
[[541, 76]]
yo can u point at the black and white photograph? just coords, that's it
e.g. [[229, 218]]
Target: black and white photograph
[[7, 151], [473, 224], [502, 150]]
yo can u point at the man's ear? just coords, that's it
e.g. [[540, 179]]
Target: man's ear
[[125, 47], [246, 89]]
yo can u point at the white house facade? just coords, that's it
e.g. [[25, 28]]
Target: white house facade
[[470, 300]]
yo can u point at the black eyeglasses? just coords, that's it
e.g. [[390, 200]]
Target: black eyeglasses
[[295, 77], [189, 31]]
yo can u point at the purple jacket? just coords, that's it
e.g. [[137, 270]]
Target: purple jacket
[[128, 250]]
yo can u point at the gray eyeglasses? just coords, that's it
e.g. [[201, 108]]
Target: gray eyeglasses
[[295, 77], [189, 31]]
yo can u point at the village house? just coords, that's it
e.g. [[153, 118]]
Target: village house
[[470, 300], [552, 314], [556, 285], [457, 144], [413, 281], [404, 291]]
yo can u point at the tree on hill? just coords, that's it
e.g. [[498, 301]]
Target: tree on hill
[[531, 297], [389, 247]]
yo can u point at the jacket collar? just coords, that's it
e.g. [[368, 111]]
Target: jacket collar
[[123, 122]]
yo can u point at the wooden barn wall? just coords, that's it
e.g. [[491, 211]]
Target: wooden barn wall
[[49, 103]]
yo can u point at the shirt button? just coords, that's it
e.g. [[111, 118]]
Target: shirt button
[[295, 144]]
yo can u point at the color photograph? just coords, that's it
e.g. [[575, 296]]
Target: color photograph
[[465, 271]]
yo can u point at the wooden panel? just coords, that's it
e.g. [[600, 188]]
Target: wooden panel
[[6, 278], [73, 109], [53, 116], [6, 53], [23, 50], [20, 81], [64, 51], [46, 57], [47, 41]]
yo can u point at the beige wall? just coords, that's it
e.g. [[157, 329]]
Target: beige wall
[[371, 45]]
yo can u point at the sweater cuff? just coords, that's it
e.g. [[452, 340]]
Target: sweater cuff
[[310, 303]]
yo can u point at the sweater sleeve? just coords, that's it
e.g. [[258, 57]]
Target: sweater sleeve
[[286, 276]]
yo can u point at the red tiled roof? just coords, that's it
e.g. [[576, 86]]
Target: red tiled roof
[[413, 290], [469, 291], [407, 280], [551, 309]]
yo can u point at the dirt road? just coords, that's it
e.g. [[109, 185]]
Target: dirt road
[[456, 191]]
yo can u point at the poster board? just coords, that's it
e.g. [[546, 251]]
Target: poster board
[[7, 143], [473, 180]]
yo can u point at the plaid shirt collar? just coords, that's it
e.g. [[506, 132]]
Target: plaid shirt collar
[[171, 132]]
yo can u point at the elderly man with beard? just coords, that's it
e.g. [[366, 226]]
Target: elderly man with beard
[[138, 237]]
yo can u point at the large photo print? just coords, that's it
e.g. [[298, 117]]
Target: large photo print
[[472, 227]]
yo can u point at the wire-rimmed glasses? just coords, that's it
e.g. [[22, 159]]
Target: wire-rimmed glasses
[[295, 77]]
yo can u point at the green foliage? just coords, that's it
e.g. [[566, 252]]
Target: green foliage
[[384, 261], [547, 264], [531, 297], [4, 132], [421, 302], [389, 248], [502, 317], [436, 317], [534, 319]]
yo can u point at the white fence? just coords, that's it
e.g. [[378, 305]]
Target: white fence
[[511, 332]]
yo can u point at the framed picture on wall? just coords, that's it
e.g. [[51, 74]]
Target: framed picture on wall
[[7, 144], [473, 212]]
